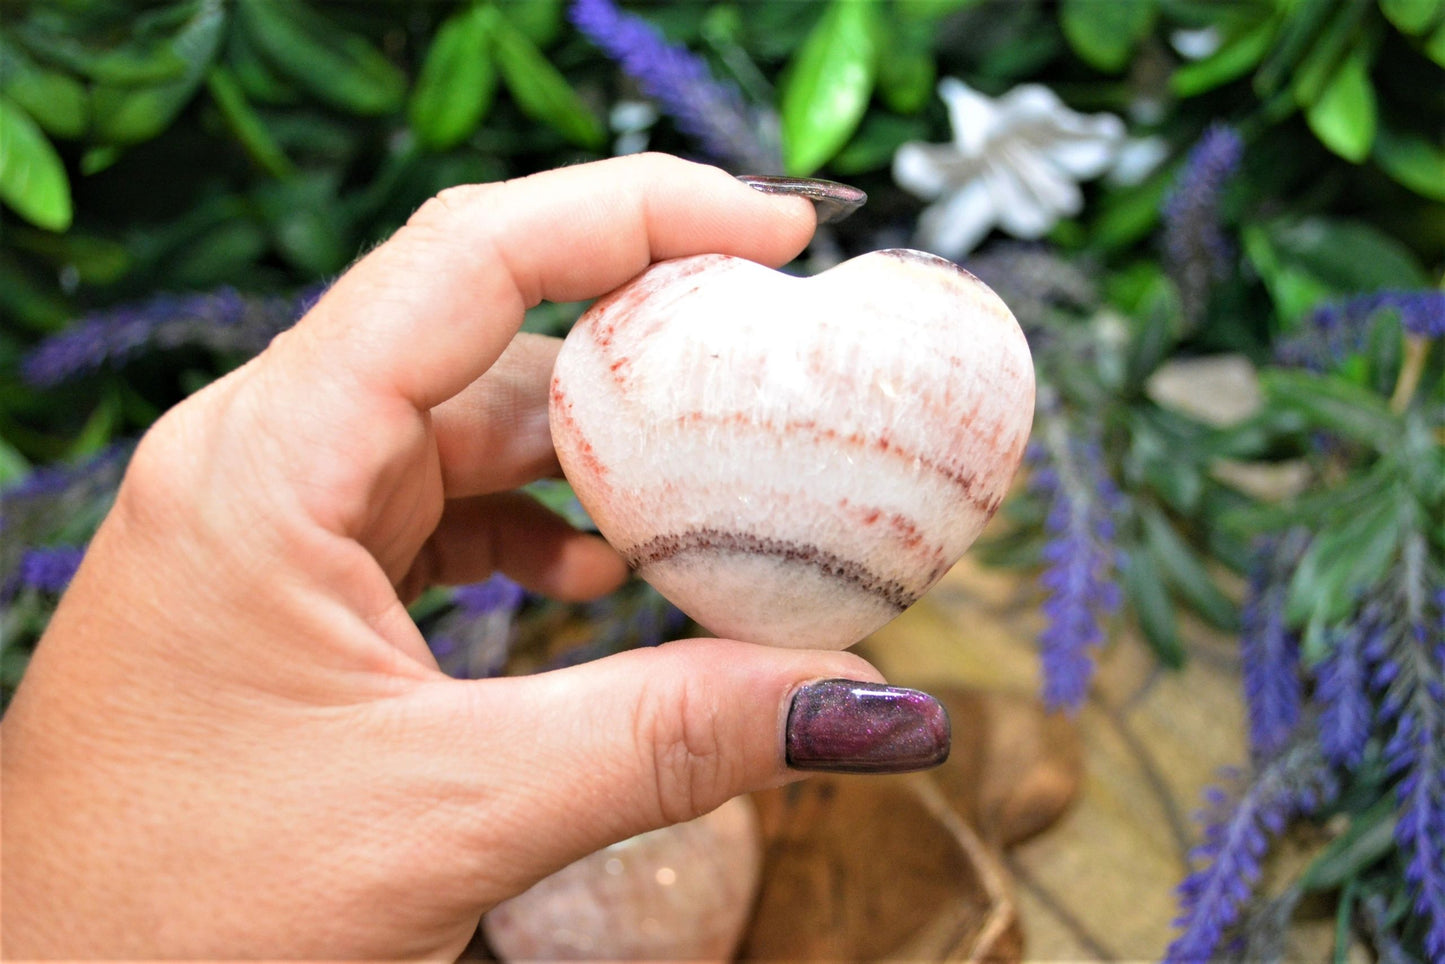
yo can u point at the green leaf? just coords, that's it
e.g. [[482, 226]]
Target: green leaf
[[1435, 46], [1157, 329], [877, 140], [341, 68], [215, 256], [259, 81], [1369, 838], [243, 121], [1412, 160], [306, 229], [1344, 115], [1104, 34], [1344, 559], [1128, 214], [1319, 65], [540, 21], [1308, 509], [1293, 290], [100, 158], [906, 69], [1413, 16], [127, 114], [1334, 404], [1149, 598], [28, 297], [12, 464], [541, 92], [457, 80], [828, 84], [32, 178], [1345, 917], [57, 101], [1305, 261], [1348, 256], [99, 429], [1185, 571], [929, 10], [141, 59], [1234, 58], [94, 260], [1301, 21]]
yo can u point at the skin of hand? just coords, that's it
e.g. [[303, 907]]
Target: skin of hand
[[233, 740]]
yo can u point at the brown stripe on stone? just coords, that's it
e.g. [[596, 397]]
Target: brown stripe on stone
[[671, 545]]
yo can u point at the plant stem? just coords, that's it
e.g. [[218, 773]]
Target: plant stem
[[1411, 369]]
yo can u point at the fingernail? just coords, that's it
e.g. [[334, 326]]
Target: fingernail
[[843, 726], [833, 201]]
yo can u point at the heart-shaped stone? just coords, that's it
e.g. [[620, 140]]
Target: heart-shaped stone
[[794, 461]]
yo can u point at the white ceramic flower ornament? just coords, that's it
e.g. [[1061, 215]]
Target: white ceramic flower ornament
[[1014, 162], [794, 461]]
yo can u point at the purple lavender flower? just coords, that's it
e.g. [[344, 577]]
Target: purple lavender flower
[[101, 470], [681, 83], [1081, 563], [1411, 676], [222, 320], [1342, 695], [481, 598], [1194, 244], [1269, 650], [657, 620], [50, 502], [1235, 840], [45, 569], [474, 639], [1034, 282], [1335, 330]]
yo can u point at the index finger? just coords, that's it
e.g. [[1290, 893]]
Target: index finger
[[430, 310]]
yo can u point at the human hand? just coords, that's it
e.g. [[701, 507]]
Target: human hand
[[233, 739]]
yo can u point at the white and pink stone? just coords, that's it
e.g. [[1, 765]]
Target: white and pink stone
[[682, 893], [794, 461]]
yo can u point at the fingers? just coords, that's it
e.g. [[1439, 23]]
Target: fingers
[[514, 534], [650, 737], [430, 310], [494, 435]]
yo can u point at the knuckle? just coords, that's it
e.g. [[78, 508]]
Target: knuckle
[[449, 202], [156, 473], [678, 735]]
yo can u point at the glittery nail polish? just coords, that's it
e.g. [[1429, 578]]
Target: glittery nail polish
[[833, 201], [843, 726]]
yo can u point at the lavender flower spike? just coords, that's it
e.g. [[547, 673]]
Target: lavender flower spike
[[1081, 561], [1194, 244], [1410, 678], [1337, 329], [47, 569], [222, 320], [680, 82], [1341, 692], [1212, 897], [1269, 651]]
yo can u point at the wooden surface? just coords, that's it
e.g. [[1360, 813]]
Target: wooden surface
[[1098, 884]]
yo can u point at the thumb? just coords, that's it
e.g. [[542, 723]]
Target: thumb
[[658, 736]]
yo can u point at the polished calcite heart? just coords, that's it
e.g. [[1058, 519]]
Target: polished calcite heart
[[794, 461]]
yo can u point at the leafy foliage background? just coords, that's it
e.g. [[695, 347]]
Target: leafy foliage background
[[181, 176]]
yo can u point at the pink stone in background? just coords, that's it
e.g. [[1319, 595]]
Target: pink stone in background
[[682, 893], [794, 461]]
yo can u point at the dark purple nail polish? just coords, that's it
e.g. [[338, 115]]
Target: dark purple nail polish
[[833, 201], [843, 726]]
